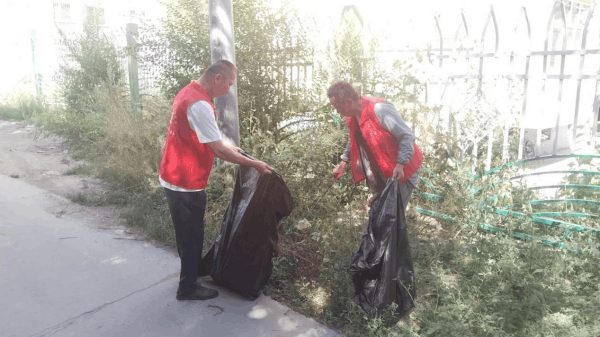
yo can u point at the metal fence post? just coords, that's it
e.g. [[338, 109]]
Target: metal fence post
[[134, 84], [525, 83], [561, 80], [36, 77], [581, 63]]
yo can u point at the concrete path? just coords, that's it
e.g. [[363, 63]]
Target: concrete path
[[62, 276]]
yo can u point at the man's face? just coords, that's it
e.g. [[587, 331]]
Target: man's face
[[222, 84], [347, 108]]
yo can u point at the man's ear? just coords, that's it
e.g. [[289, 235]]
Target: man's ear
[[218, 78]]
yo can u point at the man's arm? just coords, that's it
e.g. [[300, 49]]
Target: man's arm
[[391, 120], [231, 155], [339, 171], [346, 155], [202, 120]]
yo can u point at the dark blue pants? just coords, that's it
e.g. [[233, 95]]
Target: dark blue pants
[[187, 211]]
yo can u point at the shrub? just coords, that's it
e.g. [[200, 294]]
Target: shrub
[[90, 61]]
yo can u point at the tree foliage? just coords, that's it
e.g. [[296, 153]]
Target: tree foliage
[[267, 42], [90, 61], [182, 46]]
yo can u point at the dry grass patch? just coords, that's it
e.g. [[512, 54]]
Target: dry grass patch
[[133, 145]]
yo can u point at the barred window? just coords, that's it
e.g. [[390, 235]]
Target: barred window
[[62, 11]]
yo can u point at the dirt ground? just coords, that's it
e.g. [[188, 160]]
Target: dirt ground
[[43, 162]]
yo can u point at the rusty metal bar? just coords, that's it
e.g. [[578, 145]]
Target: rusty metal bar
[[581, 62], [560, 81]]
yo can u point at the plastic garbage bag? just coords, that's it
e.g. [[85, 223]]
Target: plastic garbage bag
[[382, 269], [240, 258]]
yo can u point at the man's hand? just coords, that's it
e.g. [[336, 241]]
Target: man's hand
[[398, 173], [370, 202], [263, 168], [233, 155], [339, 171]]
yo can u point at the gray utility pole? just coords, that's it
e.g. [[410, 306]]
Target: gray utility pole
[[222, 47]]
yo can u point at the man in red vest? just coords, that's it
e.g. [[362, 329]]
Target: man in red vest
[[193, 140], [380, 143]]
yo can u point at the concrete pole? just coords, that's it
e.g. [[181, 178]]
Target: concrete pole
[[222, 47]]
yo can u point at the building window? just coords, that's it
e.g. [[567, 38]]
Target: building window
[[62, 11], [95, 14], [546, 134]]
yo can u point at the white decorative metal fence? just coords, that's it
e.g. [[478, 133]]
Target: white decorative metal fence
[[551, 95]]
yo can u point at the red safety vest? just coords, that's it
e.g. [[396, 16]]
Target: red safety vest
[[382, 144], [186, 162]]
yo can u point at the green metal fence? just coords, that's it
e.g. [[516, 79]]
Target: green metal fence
[[547, 218]]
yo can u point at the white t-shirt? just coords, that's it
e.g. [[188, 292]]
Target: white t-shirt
[[202, 120]]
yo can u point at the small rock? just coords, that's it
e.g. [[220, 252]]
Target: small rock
[[303, 224]]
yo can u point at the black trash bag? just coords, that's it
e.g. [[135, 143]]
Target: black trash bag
[[240, 258], [382, 269]]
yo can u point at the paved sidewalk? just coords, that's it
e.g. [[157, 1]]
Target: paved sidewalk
[[61, 276]]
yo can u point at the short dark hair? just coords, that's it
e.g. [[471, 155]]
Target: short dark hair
[[342, 92], [223, 67]]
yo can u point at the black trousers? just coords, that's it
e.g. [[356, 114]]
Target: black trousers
[[187, 211]]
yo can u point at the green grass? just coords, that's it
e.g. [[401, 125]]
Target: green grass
[[81, 198], [11, 113], [468, 282], [80, 170]]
